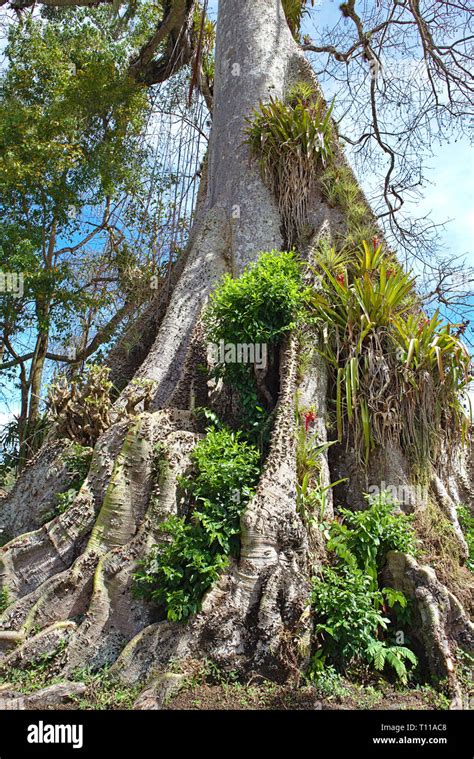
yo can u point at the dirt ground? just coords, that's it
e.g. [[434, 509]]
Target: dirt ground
[[270, 696]]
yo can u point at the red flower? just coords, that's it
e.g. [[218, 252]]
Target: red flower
[[391, 273], [309, 417], [341, 279], [375, 243]]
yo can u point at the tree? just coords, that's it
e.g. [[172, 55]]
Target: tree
[[255, 616], [75, 181], [62, 157]]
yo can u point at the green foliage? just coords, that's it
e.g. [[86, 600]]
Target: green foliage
[[349, 612], [396, 375], [436, 373], [295, 11], [37, 672], [104, 691], [64, 501], [347, 600], [224, 465], [341, 190], [109, 695], [70, 145], [68, 124], [291, 140], [301, 93], [396, 657], [177, 574], [326, 679], [77, 460], [70, 121], [195, 549], [351, 620], [466, 521], [311, 492], [33, 434], [259, 307], [5, 599], [364, 537]]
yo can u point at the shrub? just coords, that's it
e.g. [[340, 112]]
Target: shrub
[[195, 550], [347, 600], [345, 607], [325, 678], [350, 621], [365, 537], [225, 465], [259, 307], [176, 574]]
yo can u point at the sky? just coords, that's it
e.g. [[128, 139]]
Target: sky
[[449, 196]]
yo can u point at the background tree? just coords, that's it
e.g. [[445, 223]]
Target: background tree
[[76, 177]]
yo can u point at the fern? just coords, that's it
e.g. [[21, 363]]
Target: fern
[[382, 654]]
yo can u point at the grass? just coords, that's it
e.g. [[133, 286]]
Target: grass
[[206, 686], [37, 675], [201, 691], [104, 692]]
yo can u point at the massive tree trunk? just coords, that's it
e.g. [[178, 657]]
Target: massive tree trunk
[[71, 579]]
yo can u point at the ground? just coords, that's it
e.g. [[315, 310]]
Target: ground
[[207, 689], [269, 696]]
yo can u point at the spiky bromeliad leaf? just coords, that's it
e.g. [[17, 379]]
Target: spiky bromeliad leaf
[[290, 140], [398, 375], [295, 10]]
